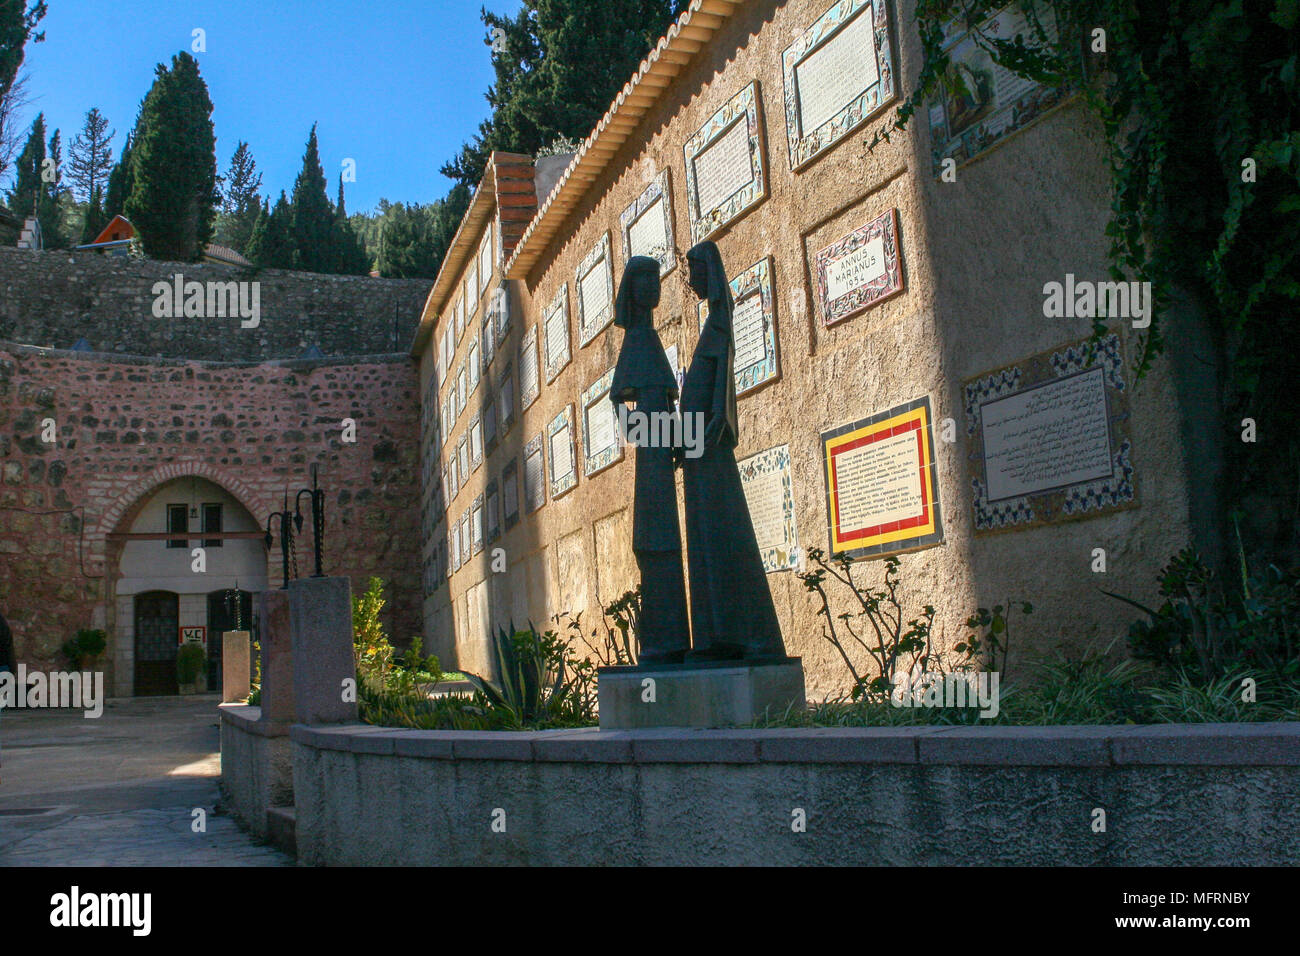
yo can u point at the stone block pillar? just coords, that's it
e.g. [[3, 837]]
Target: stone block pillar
[[276, 641], [320, 616], [236, 663]]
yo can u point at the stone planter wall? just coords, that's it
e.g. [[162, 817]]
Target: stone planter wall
[[1172, 795]]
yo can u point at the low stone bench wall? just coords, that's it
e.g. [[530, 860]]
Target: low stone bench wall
[[256, 765], [1225, 794]]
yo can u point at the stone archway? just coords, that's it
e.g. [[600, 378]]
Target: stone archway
[[134, 566]]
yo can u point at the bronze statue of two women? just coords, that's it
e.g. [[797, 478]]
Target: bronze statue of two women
[[731, 611]]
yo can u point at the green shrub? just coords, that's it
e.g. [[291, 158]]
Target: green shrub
[[86, 646], [1205, 630]]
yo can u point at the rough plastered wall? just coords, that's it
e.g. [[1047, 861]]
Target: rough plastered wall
[[54, 298], [976, 254], [125, 426]]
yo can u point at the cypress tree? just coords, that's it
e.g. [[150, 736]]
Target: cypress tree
[[271, 244], [174, 165], [48, 209], [120, 181], [94, 221], [25, 198], [312, 223]]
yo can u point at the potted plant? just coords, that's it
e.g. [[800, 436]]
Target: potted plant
[[85, 648], [189, 663]]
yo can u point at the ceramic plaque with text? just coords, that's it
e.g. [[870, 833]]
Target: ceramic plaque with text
[[647, 225], [769, 492], [600, 439], [555, 334], [529, 380], [859, 270], [594, 287], [724, 165], [510, 493], [561, 454], [881, 483], [534, 474], [1049, 438], [753, 327], [838, 74], [987, 102]]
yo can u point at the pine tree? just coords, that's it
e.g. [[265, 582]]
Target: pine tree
[[241, 204], [312, 226], [561, 64], [173, 197], [90, 156], [120, 181]]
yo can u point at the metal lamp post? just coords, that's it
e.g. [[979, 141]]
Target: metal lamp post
[[317, 516]]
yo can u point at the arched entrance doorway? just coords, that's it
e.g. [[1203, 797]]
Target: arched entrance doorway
[[193, 540], [157, 620]]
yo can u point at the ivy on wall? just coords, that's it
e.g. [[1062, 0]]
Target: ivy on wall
[[1199, 105]]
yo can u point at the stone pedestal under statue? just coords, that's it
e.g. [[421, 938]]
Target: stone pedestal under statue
[[699, 694]]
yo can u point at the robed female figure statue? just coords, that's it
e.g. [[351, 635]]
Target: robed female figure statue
[[732, 614], [644, 376]]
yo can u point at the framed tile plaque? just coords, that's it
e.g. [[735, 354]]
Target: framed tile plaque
[[593, 285], [488, 338], [838, 74], [510, 493], [769, 492], [561, 454], [499, 310], [489, 423], [476, 524], [506, 400], [859, 270], [534, 475], [647, 225], [492, 506], [475, 443], [555, 332], [881, 487], [1049, 438], [600, 439], [753, 327], [987, 102], [529, 383], [724, 165]]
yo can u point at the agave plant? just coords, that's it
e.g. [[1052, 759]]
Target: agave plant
[[531, 671]]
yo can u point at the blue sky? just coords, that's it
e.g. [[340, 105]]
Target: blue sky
[[396, 85]]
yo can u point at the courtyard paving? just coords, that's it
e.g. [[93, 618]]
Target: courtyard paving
[[119, 790]]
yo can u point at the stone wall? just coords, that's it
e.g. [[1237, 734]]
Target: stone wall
[[55, 298], [869, 796], [975, 253], [125, 426]]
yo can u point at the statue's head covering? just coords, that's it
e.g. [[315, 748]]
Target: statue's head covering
[[716, 339], [641, 361]]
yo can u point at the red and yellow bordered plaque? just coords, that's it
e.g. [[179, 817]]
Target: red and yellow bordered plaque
[[881, 488]]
